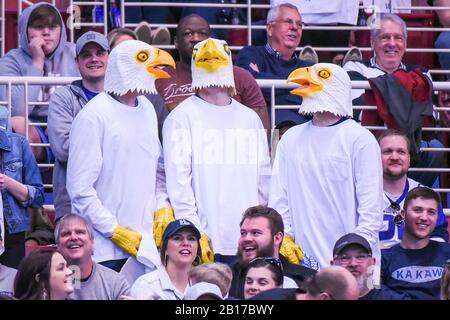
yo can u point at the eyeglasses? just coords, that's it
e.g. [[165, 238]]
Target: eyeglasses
[[289, 22], [346, 258], [398, 219], [270, 260]]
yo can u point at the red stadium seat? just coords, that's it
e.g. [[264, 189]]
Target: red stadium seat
[[31, 248], [418, 39]]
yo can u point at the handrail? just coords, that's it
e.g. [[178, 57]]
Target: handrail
[[263, 83], [281, 84]]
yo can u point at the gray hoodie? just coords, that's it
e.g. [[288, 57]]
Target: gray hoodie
[[65, 103], [18, 62]]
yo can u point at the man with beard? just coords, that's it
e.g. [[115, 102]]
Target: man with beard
[[354, 253], [262, 231], [395, 156]]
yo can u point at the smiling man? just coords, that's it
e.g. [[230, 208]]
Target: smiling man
[[92, 58], [277, 59], [354, 253], [415, 265], [389, 42], [75, 238], [261, 234]]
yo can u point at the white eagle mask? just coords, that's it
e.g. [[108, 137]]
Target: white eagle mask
[[134, 66], [211, 65], [323, 87]]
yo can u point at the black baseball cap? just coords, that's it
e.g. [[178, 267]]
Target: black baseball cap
[[351, 238], [177, 225]]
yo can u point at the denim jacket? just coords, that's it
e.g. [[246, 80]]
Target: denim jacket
[[18, 162]]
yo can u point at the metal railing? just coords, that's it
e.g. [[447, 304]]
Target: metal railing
[[74, 11], [249, 6], [272, 84]]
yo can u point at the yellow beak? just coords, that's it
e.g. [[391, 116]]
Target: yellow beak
[[163, 58], [308, 85], [210, 57]]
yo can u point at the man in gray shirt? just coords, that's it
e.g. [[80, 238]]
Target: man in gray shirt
[[75, 238]]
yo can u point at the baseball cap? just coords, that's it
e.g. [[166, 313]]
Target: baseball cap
[[177, 225], [203, 288], [91, 36], [348, 239]]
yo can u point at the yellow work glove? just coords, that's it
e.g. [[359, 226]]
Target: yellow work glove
[[291, 251], [126, 239], [207, 253], [163, 216]]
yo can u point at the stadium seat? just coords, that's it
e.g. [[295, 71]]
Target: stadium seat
[[31, 248], [417, 39]]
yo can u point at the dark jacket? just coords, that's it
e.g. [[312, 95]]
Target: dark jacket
[[404, 102]]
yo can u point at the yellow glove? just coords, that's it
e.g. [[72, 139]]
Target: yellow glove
[[126, 239], [163, 216], [290, 250], [207, 253]]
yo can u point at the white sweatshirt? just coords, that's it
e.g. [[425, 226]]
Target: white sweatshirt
[[217, 165], [326, 182], [115, 171]]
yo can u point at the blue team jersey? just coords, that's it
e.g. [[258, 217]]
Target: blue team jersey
[[416, 273]]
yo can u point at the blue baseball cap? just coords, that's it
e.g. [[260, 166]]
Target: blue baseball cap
[[177, 225], [91, 36]]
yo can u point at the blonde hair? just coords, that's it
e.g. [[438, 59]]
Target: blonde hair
[[216, 273]]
